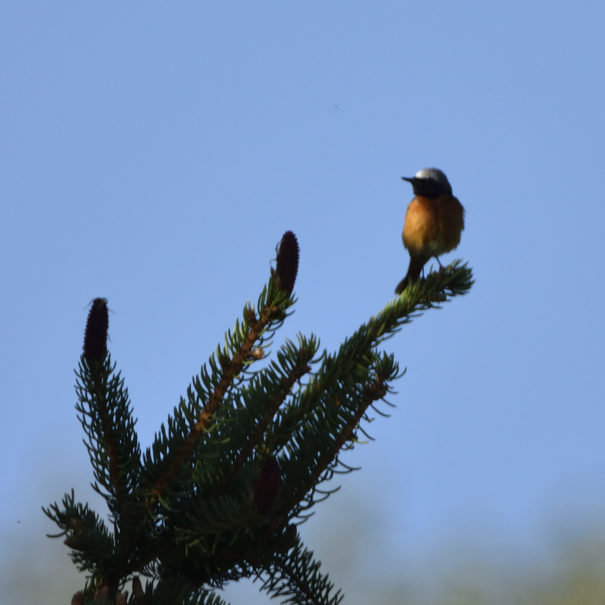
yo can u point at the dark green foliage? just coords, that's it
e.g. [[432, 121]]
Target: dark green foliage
[[295, 575], [242, 459]]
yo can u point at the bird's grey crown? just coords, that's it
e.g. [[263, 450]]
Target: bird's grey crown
[[433, 174]]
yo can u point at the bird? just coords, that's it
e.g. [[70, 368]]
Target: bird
[[433, 222]]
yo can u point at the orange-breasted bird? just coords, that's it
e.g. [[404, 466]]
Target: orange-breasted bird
[[433, 222]]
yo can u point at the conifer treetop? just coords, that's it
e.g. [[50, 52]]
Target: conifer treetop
[[243, 458]]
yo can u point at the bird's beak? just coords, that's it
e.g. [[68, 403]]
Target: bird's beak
[[409, 179]]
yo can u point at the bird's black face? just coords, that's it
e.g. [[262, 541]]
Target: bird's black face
[[429, 184]]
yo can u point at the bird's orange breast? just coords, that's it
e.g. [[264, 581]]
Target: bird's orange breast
[[433, 225]]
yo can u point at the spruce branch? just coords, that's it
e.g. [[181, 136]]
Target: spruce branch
[[322, 419], [297, 577], [87, 536], [209, 389], [244, 457], [105, 413], [267, 392], [175, 591]]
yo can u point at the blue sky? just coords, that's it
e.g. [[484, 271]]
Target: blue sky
[[154, 155]]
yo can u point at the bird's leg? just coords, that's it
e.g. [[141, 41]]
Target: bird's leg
[[440, 265]]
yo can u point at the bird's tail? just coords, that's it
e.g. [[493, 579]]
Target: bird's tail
[[416, 264]]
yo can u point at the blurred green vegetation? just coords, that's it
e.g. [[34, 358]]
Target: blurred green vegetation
[[570, 572]]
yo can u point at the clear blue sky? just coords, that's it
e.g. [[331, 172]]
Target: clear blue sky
[[154, 154]]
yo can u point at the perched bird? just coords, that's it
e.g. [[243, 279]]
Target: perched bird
[[433, 222]]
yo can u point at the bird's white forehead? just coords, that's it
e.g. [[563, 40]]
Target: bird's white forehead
[[432, 173]]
